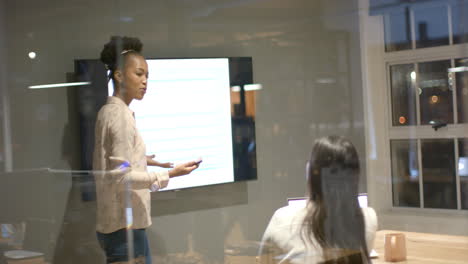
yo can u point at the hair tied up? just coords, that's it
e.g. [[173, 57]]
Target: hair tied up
[[126, 51]]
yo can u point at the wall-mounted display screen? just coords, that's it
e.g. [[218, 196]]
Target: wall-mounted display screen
[[193, 107]]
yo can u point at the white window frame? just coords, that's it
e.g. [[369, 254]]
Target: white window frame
[[379, 130]]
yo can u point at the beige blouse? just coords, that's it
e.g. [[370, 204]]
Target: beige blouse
[[123, 196]]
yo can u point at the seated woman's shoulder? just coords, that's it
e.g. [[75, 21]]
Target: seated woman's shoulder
[[291, 209]]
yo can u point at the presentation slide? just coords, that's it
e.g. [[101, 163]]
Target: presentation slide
[[186, 115]]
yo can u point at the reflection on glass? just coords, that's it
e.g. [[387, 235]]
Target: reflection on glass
[[435, 94], [461, 76], [431, 26], [459, 22], [191, 122], [397, 28], [2, 150], [405, 173], [438, 165], [463, 170], [403, 95]]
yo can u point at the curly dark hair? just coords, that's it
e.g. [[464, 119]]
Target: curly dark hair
[[114, 52]]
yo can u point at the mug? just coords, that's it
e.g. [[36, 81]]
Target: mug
[[395, 247]]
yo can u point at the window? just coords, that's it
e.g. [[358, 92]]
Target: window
[[421, 26], [405, 173], [428, 93], [403, 94]]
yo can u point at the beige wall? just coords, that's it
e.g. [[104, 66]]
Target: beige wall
[[305, 54]]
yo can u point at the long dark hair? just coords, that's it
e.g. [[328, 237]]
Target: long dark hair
[[335, 219]]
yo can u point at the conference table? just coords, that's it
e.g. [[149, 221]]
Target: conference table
[[427, 248]]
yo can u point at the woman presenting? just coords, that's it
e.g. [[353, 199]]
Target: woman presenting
[[120, 161]]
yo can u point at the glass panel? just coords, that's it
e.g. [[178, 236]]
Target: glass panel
[[463, 170], [459, 22], [438, 165], [2, 143], [435, 95], [66, 174], [303, 81], [405, 173], [397, 31], [431, 26], [403, 95], [461, 76]]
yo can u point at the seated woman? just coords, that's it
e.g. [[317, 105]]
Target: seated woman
[[331, 228]]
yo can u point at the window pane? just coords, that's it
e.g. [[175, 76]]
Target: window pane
[[397, 31], [459, 22], [462, 90], [463, 170], [438, 173], [405, 173], [431, 26], [403, 95], [435, 95]]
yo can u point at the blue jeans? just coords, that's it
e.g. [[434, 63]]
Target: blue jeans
[[115, 245]]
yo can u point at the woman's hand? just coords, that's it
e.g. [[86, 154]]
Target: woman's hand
[[166, 165], [151, 162], [183, 169]]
